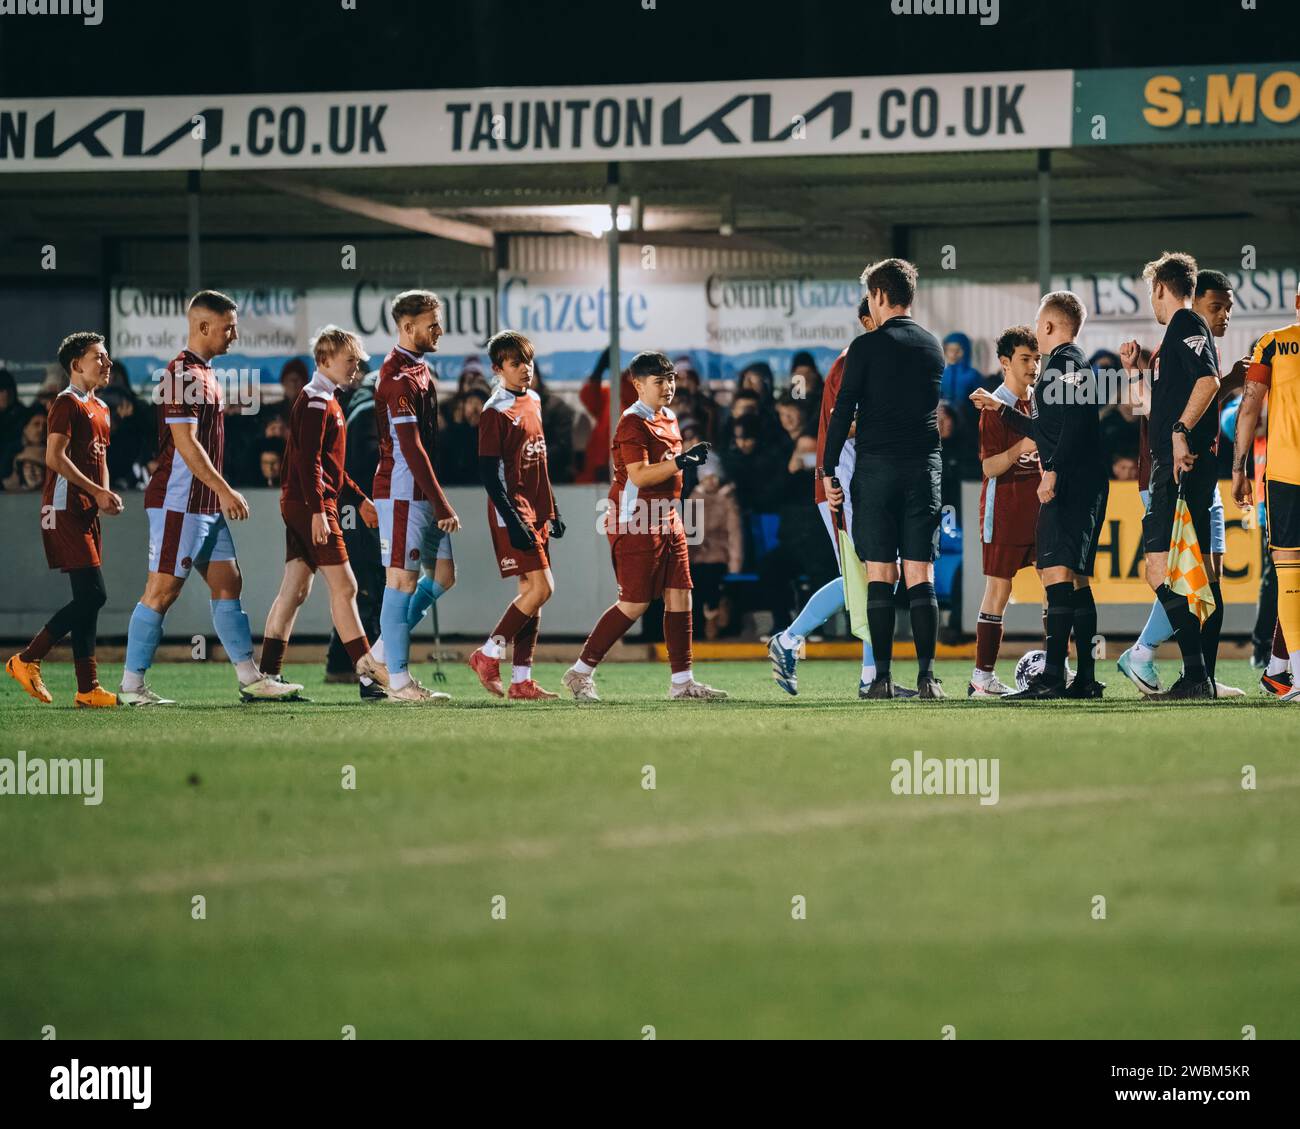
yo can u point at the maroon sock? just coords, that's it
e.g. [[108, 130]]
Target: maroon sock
[[510, 625], [1279, 643], [526, 641], [611, 627], [273, 655], [357, 648], [87, 674], [677, 634], [988, 641], [39, 647]]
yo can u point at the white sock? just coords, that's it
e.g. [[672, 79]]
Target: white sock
[[132, 681], [788, 641], [682, 676], [868, 674], [981, 677], [520, 673], [247, 671], [493, 649], [1276, 665], [398, 679], [377, 649], [1142, 653], [582, 668]]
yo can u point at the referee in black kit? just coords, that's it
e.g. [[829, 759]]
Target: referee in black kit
[[891, 388], [1184, 430], [1065, 424]]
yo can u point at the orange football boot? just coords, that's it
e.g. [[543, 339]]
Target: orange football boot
[[28, 676], [96, 698]]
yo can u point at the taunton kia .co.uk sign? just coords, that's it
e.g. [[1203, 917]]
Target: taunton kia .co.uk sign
[[913, 113], [891, 114]]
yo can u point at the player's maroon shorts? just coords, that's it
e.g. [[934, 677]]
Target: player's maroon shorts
[[512, 561], [72, 539], [298, 545], [647, 563], [1004, 561]]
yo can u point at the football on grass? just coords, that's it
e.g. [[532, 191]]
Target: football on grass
[[1031, 666]]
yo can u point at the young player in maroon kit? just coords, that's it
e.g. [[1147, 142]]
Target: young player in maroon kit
[[415, 519], [646, 535], [1008, 505], [521, 514], [76, 490], [312, 482]]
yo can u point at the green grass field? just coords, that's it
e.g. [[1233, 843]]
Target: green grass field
[[672, 907]]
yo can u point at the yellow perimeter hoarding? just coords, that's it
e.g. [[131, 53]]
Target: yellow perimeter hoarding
[[1120, 577]]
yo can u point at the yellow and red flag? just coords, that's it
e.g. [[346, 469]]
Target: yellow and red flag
[[1187, 575]]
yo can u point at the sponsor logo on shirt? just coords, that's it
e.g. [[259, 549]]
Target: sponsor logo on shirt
[[1195, 344], [508, 562]]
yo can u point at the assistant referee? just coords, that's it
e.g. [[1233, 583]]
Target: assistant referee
[[891, 388]]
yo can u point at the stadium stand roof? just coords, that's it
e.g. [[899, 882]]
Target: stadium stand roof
[[834, 207]]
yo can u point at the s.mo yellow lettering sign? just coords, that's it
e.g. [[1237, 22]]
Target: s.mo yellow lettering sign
[[1222, 99]]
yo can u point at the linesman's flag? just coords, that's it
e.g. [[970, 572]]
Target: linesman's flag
[[1187, 574], [855, 578]]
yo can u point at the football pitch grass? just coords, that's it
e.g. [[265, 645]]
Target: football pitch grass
[[674, 907]]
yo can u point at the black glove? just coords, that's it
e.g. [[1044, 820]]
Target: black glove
[[557, 526], [521, 537], [694, 457]]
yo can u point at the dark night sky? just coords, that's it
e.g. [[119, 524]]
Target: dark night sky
[[233, 46]]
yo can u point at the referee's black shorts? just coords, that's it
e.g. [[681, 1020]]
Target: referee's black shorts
[[1069, 526], [1198, 489], [896, 508]]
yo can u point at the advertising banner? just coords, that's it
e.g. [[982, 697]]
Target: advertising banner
[[1120, 577], [723, 323], [1186, 105], [762, 118]]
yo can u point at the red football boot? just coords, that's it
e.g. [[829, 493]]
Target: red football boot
[[488, 671], [529, 691]]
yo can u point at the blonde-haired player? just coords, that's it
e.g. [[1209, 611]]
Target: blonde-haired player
[[312, 483]]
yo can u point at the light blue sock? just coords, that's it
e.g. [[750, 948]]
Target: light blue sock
[[142, 638], [821, 605], [395, 629], [233, 629], [426, 594], [1158, 627], [868, 655]]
